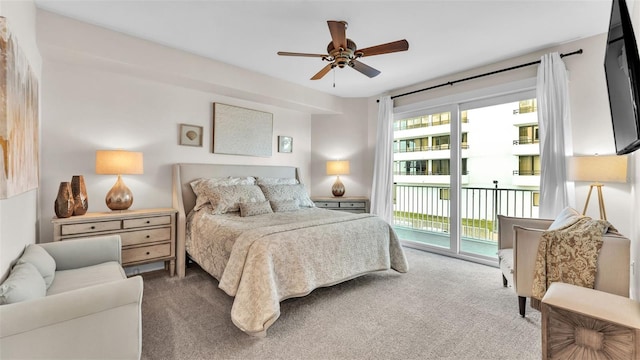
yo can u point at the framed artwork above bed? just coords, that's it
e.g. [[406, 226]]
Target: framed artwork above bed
[[241, 131]]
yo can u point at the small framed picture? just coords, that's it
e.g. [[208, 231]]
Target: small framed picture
[[190, 135], [285, 144]]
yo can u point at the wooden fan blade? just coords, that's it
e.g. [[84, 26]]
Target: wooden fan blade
[[400, 45], [284, 53], [322, 72], [338, 33], [364, 68]]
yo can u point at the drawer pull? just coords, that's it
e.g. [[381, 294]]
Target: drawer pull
[[148, 222], [148, 253], [148, 236], [93, 227]]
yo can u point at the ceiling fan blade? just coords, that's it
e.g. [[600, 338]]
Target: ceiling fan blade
[[400, 45], [364, 68], [338, 33], [284, 53], [322, 72]]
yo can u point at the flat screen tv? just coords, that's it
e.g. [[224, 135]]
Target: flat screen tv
[[622, 69]]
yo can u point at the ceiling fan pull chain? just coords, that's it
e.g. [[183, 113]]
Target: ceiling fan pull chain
[[334, 77]]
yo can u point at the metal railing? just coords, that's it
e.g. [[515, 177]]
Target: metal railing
[[426, 208]]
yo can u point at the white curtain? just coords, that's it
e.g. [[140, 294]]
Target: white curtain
[[554, 124], [381, 190]]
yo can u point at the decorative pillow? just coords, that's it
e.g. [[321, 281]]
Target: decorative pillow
[[567, 217], [226, 199], [24, 283], [201, 186], [40, 258], [255, 208], [284, 205], [276, 181], [288, 192]]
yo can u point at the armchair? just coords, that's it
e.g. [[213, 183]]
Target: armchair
[[90, 309], [518, 240]]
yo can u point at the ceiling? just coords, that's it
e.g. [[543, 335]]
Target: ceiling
[[445, 36]]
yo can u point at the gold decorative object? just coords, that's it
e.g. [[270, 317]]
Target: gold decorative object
[[119, 162], [80, 198], [64, 205], [338, 167]]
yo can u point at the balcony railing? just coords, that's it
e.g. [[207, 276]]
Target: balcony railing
[[525, 141], [526, 172], [426, 208], [427, 148], [424, 172]]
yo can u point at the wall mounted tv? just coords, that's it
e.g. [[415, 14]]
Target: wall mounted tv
[[622, 69]]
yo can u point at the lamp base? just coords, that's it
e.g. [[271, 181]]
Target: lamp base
[[338, 188], [119, 197]]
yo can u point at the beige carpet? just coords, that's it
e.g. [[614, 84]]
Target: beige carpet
[[443, 308]]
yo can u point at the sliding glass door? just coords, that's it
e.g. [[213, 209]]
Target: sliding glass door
[[457, 167]]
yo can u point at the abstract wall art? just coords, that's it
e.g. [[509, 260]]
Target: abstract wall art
[[18, 118]]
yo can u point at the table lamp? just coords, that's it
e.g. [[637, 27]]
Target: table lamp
[[598, 169], [338, 167], [119, 162]]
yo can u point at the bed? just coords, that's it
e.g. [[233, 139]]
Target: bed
[[269, 255]]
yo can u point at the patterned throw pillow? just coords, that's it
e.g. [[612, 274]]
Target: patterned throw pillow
[[202, 186], [257, 208], [284, 205], [276, 181], [226, 199], [288, 192]]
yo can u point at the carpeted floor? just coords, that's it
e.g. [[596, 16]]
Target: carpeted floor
[[443, 308]]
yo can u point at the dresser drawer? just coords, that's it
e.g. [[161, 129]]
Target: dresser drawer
[[145, 253], [351, 205], [149, 221], [323, 204], [145, 236], [87, 228]]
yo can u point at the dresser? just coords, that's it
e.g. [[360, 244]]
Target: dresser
[[354, 204], [148, 235]]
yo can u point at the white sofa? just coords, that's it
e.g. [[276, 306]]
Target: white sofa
[[82, 307]]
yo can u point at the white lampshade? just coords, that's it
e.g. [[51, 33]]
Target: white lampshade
[[119, 162], [338, 167], [599, 168]]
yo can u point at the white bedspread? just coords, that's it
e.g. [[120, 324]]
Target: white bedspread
[[264, 259]]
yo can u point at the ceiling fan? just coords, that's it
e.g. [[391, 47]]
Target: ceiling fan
[[343, 52]]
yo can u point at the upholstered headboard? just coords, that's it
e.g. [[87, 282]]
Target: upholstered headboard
[[184, 199]]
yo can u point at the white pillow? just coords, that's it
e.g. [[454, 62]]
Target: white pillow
[[288, 192], [202, 186], [24, 283], [276, 181], [40, 258], [568, 216]]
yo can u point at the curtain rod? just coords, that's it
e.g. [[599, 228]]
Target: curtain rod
[[579, 51]]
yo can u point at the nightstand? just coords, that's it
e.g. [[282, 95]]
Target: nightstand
[[354, 204], [147, 235]]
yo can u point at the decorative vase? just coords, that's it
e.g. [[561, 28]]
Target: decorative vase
[[80, 198], [63, 206]]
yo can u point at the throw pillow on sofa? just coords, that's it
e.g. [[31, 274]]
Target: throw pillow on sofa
[[24, 283], [40, 258]]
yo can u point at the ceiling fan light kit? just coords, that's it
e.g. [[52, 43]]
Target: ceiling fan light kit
[[343, 52]]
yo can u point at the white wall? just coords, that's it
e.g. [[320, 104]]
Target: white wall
[[341, 137], [18, 214], [106, 90]]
